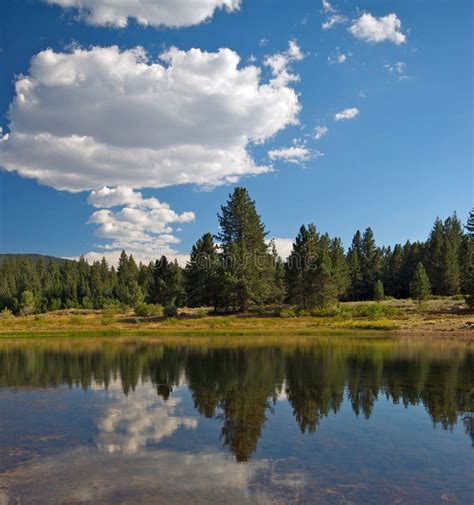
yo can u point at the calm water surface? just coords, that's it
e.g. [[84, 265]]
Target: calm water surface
[[329, 421]]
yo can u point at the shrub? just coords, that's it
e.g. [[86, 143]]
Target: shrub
[[379, 294], [55, 304], [27, 303], [328, 312], [148, 310], [108, 314], [87, 303], [287, 313], [170, 311], [77, 319], [6, 314], [303, 313], [72, 304], [374, 310]]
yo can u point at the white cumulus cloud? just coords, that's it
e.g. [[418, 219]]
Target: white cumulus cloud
[[172, 13], [320, 131], [279, 64], [338, 57], [294, 154], [98, 117], [334, 19], [139, 225], [283, 246], [346, 114], [399, 67], [373, 29], [327, 7]]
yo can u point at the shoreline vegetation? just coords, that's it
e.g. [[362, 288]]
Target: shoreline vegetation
[[236, 283], [445, 317]]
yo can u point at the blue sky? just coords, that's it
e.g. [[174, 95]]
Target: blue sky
[[402, 159]]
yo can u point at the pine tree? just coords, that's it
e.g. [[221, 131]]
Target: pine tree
[[277, 281], [83, 282], [453, 236], [379, 291], [354, 265], [310, 275], [52, 288], [27, 303], [469, 285], [451, 274], [420, 285], [202, 288], [145, 280], [109, 280], [435, 257], [301, 267], [470, 224], [326, 286], [412, 255], [466, 259], [340, 268], [167, 288], [96, 287], [128, 291], [392, 271], [369, 264], [69, 284], [244, 255], [8, 285]]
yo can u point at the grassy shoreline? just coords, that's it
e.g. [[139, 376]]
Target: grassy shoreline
[[443, 317]]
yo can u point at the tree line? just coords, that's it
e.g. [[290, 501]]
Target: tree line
[[238, 268]]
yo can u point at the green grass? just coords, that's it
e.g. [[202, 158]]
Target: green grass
[[219, 332]]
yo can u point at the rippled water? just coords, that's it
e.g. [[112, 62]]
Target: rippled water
[[332, 420]]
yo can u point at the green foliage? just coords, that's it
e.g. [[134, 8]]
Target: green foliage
[[77, 320], [369, 264], [354, 266], [311, 277], [333, 311], [109, 314], [148, 310], [27, 303], [470, 224], [170, 311], [247, 265], [245, 272], [373, 310], [202, 274], [420, 288], [128, 290], [167, 283], [468, 268], [287, 313], [379, 294]]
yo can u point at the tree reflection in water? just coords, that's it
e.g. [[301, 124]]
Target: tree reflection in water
[[239, 385]]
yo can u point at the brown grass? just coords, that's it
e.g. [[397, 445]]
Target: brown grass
[[444, 317]]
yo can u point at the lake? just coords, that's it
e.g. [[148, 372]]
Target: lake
[[330, 420]]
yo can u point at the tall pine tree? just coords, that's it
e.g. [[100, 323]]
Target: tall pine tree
[[244, 251]]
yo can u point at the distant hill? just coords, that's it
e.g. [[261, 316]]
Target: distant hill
[[33, 257]]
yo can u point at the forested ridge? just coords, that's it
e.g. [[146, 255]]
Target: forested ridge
[[239, 269]]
